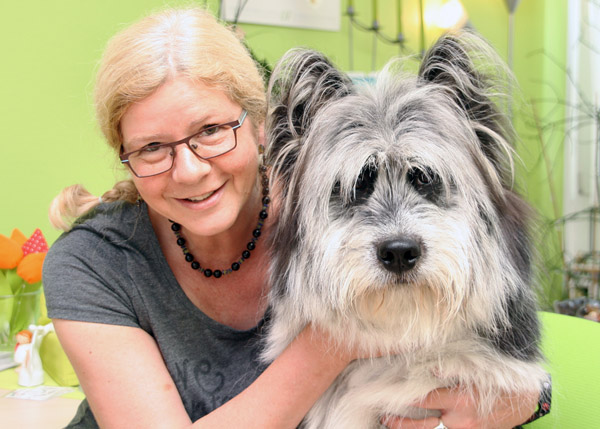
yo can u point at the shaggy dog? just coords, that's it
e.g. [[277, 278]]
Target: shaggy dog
[[399, 231]]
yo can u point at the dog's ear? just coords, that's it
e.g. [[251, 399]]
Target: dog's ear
[[302, 83], [475, 76]]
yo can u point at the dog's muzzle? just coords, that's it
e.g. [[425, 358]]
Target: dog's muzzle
[[399, 255]]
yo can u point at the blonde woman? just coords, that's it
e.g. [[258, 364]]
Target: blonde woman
[[157, 291]]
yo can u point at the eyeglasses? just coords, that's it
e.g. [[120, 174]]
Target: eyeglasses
[[210, 142]]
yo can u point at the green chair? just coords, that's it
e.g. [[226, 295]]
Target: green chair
[[572, 349]]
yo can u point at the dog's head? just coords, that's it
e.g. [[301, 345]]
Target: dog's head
[[396, 201]]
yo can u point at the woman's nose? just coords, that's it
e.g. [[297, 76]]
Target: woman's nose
[[187, 166]]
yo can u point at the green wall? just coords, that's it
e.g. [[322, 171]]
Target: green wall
[[51, 48]]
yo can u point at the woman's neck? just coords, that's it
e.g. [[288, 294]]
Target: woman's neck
[[238, 299]]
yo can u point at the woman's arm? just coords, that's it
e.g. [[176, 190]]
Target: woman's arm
[[127, 383], [122, 374], [282, 395]]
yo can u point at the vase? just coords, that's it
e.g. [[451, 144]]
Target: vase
[[17, 312]]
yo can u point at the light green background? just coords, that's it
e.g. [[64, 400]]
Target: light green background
[[50, 50]]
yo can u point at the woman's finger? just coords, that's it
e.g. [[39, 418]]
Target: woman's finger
[[395, 422]]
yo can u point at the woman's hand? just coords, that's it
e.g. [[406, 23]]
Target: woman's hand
[[459, 411]]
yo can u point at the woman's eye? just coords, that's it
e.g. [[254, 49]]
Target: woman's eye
[[152, 147], [209, 131]]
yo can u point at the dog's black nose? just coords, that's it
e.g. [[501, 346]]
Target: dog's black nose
[[399, 255]]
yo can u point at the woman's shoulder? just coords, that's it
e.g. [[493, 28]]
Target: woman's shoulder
[[112, 224], [91, 264], [115, 220], [116, 213]]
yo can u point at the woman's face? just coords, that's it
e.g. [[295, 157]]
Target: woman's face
[[207, 197]]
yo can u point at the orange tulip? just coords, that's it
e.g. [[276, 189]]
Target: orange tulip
[[18, 236], [10, 253], [30, 268]]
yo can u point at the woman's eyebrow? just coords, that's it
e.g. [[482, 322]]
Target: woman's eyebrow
[[192, 127], [147, 139]]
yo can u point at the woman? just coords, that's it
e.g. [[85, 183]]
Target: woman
[[158, 293]]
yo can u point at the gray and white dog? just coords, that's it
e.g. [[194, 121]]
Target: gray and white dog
[[399, 231]]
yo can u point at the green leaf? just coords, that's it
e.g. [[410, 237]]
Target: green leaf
[[5, 288], [14, 279], [32, 287], [26, 309], [6, 309]]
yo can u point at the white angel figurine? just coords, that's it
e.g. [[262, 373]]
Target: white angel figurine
[[27, 354]]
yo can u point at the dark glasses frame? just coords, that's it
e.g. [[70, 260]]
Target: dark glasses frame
[[233, 124]]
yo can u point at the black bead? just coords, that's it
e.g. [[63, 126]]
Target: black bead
[[217, 274], [245, 254], [195, 265], [181, 241], [251, 245], [265, 191], [208, 272], [175, 227], [263, 214], [266, 200], [256, 233], [235, 266], [189, 257]]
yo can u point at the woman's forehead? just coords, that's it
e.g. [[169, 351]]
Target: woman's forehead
[[177, 106]]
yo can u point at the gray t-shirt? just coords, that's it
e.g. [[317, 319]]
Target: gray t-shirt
[[110, 269]]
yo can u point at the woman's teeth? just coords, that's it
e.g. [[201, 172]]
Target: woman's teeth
[[200, 198]]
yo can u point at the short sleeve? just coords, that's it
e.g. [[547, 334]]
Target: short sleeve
[[85, 279]]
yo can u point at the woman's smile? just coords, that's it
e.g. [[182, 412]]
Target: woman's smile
[[203, 201]]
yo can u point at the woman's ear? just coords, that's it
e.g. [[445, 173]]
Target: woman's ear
[[260, 135]]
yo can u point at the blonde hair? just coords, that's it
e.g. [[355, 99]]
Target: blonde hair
[[188, 42]]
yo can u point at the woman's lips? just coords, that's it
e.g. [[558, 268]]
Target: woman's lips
[[201, 197], [204, 200]]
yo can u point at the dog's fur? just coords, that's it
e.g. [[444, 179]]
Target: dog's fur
[[399, 232]]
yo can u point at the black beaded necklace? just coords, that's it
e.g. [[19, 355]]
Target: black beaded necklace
[[176, 228]]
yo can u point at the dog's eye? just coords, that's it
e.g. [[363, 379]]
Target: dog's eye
[[425, 182], [423, 178], [366, 179], [420, 178], [336, 189], [363, 186], [365, 183]]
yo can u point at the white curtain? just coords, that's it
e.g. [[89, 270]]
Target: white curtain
[[582, 160]]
